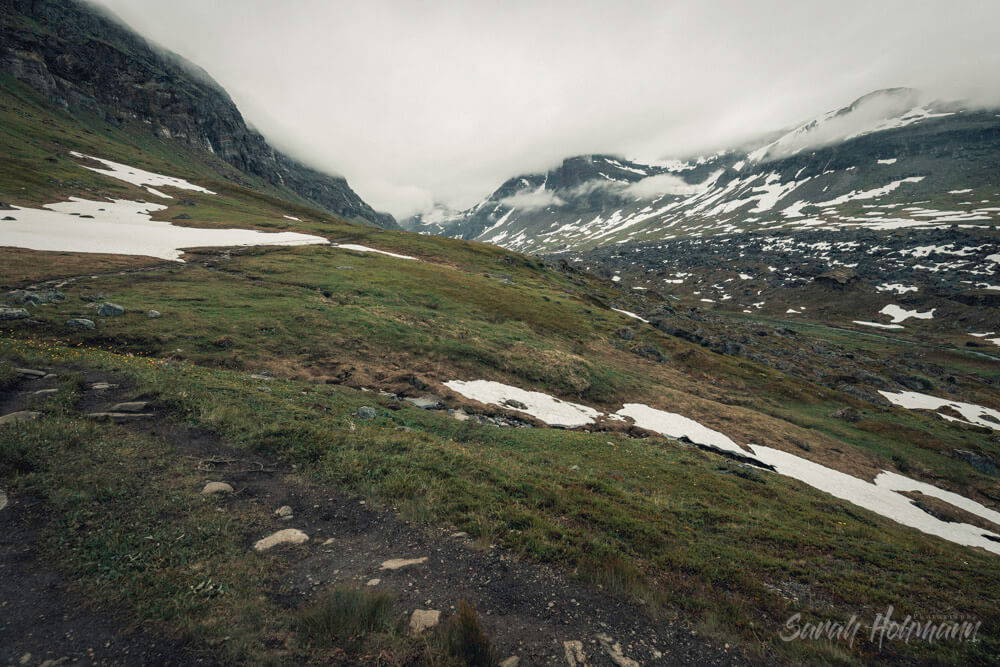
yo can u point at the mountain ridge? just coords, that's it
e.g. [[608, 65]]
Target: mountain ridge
[[52, 46]]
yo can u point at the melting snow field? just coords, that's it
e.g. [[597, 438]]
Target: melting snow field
[[880, 496], [547, 408], [974, 414], [123, 227], [899, 314], [879, 325], [363, 248], [137, 176]]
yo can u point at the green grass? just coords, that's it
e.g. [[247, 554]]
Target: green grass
[[345, 617]]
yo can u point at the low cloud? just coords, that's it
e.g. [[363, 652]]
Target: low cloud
[[532, 201], [652, 187]]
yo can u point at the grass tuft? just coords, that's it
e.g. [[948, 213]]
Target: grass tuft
[[465, 639], [345, 618]]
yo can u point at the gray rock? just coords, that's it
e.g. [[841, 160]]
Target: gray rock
[[153, 314], [109, 309], [13, 314], [283, 511], [573, 650], [3, 499], [30, 373], [45, 392], [9, 218], [131, 406], [80, 323], [374, 582], [216, 487], [19, 417], [35, 297], [427, 402], [365, 412], [424, 619], [848, 414], [121, 416], [980, 462], [614, 651], [517, 405], [512, 661], [625, 333]]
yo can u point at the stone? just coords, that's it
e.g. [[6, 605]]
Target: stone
[[512, 661], [121, 416], [426, 402], [286, 536], [30, 373], [103, 386], [13, 314], [36, 298], [398, 563], [283, 511], [216, 487], [517, 405], [614, 651], [3, 499], [45, 392], [130, 406], [80, 323], [460, 535], [108, 309], [573, 650], [423, 619], [847, 414], [980, 462], [19, 417], [625, 333], [374, 582], [365, 412], [153, 314]]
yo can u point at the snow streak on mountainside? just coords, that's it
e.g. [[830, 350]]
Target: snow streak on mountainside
[[887, 161]]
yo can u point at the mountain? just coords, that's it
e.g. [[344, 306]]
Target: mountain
[[82, 58], [885, 161]]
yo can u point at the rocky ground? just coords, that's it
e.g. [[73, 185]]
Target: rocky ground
[[535, 615]]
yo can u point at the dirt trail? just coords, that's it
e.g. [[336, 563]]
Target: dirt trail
[[530, 611]]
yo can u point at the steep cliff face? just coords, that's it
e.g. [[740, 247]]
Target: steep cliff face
[[81, 57]]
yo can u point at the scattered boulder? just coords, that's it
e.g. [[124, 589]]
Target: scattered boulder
[[426, 402], [30, 373], [9, 218], [980, 462], [573, 650], [103, 386], [650, 352], [154, 314], [512, 661], [80, 323], [216, 487], [19, 417], [423, 619], [614, 651], [35, 298], [399, 563], [286, 536], [848, 414], [374, 582], [625, 333], [120, 416], [14, 314], [3, 499], [283, 512], [365, 412], [108, 309], [45, 392], [182, 216], [517, 405], [130, 406]]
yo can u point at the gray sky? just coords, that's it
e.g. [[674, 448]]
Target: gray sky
[[415, 101]]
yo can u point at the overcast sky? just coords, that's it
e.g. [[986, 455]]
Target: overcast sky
[[415, 101]]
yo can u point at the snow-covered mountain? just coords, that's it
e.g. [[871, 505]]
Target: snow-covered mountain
[[888, 160]]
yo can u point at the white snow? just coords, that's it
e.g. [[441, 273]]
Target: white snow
[[898, 288], [362, 248], [632, 315], [899, 314], [291, 217], [880, 496], [973, 414], [959, 192], [123, 227], [546, 408], [889, 161], [137, 176], [675, 426], [615, 279], [878, 325]]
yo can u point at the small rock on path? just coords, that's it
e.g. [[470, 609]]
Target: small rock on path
[[286, 536], [399, 563]]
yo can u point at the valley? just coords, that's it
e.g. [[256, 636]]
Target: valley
[[617, 413]]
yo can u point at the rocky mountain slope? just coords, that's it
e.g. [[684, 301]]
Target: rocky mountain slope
[[54, 46], [886, 161]]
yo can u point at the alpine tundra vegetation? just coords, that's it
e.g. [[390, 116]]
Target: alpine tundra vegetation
[[728, 406]]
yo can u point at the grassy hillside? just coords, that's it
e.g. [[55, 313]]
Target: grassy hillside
[[694, 537]]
